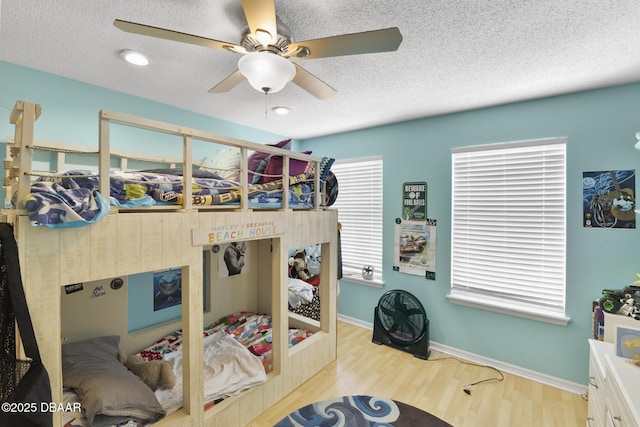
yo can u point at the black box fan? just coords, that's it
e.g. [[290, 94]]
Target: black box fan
[[400, 321]]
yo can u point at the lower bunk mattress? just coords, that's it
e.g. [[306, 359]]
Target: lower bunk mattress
[[237, 356]]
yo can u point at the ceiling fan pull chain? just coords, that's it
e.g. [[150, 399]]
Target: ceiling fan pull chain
[[266, 103]]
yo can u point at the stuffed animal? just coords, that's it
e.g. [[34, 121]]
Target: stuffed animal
[[298, 268], [154, 373]]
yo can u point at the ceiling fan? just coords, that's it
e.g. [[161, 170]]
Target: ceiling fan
[[266, 50]]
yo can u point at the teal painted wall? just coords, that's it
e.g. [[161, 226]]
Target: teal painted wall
[[70, 109], [600, 127]]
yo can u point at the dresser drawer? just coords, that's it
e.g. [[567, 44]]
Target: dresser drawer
[[618, 412], [595, 414], [597, 385], [597, 372], [614, 387]]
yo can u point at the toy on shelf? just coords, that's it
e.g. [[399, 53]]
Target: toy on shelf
[[630, 307], [623, 301]]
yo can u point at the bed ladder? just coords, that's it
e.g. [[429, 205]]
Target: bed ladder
[[20, 152]]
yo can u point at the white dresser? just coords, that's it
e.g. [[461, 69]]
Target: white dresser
[[614, 388]]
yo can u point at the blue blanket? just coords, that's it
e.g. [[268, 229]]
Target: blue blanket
[[72, 198], [64, 203]]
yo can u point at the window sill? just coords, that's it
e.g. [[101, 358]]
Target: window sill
[[556, 319], [360, 281]]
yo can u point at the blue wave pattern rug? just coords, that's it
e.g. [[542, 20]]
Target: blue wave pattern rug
[[360, 411]]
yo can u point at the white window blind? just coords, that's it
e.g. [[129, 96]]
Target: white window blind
[[508, 228], [359, 206]]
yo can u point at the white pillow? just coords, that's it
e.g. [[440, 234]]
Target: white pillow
[[224, 162]]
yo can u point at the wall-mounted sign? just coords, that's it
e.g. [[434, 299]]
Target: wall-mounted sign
[[414, 201], [232, 233], [415, 248]]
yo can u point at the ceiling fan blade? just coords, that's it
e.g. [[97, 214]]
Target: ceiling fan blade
[[312, 84], [229, 83], [147, 30], [261, 17], [384, 40]]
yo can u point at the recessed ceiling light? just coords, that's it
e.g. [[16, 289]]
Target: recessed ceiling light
[[281, 110], [133, 57]]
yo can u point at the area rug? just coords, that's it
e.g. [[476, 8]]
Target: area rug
[[360, 411]]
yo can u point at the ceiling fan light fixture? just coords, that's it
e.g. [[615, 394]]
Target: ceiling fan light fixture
[[133, 57], [266, 72]]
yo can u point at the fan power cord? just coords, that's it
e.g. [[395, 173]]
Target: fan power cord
[[486, 380], [467, 388]]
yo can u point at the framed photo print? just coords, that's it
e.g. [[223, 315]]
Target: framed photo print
[[628, 342]]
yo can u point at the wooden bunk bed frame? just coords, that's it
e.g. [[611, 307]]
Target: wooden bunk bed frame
[[53, 258]]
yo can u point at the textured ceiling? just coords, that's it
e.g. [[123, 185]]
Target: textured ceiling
[[455, 55]]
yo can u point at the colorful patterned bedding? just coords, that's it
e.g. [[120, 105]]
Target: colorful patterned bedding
[[71, 199], [229, 367], [247, 330], [251, 330]]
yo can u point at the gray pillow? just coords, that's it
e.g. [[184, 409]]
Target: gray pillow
[[104, 385]]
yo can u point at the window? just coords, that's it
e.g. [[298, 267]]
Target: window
[[359, 206], [508, 228]]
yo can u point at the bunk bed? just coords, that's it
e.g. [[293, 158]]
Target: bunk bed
[[123, 241]]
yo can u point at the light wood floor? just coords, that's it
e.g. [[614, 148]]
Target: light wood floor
[[435, 386]]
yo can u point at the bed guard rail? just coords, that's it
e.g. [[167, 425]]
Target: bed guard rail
[[20, 154]]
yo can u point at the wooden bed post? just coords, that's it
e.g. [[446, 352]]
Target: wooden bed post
[[244, 179], [285, 182], [23, 116], [104, 156], [316, 185], [192, 326], [187, 170]]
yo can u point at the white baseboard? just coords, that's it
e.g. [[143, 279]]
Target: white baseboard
[[354, 321], [481, 360]]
